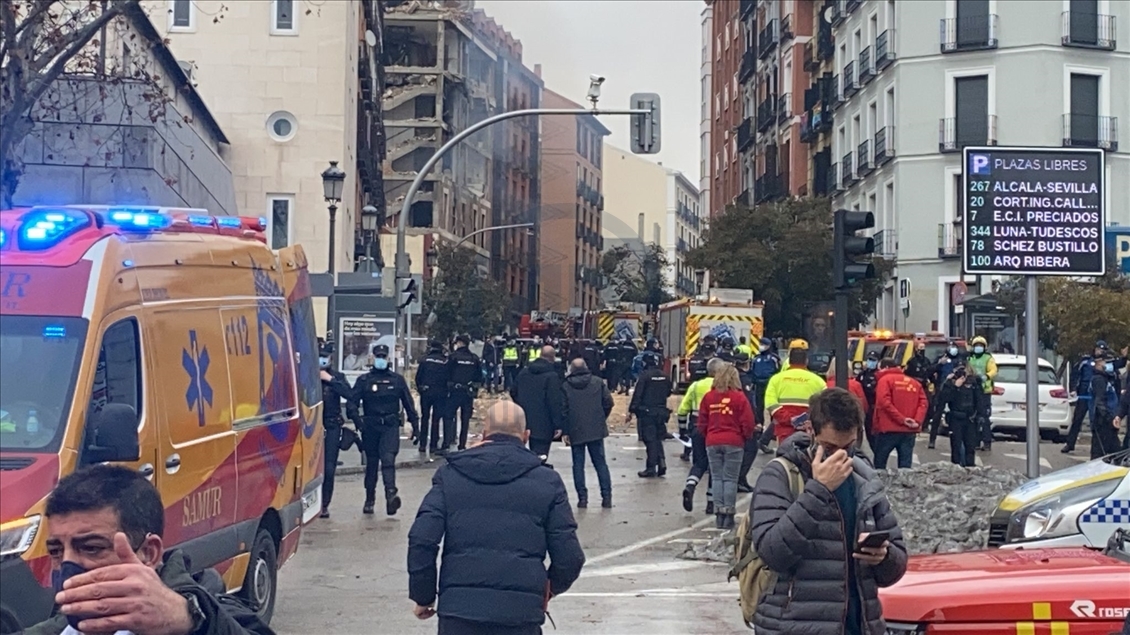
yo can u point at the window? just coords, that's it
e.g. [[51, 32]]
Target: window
[[1083, 121], [971, 109], [889, 107], [282, 126], [117, 378], [279, 220], [284, 19], [1017, 374], [182, 15], [726, 42]]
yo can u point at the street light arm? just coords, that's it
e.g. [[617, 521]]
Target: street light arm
[[490, 229]]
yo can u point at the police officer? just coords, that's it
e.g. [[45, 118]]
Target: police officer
[[649, 406], [464, 375], [1081, 378], [627, 352], [490, 364], [432, 376], [869, 379], [1104, 407], [511, 362], [749, 387], [726, 350], [696, 365], [380, 394], [950, 360], [761, 369], [334, 390]]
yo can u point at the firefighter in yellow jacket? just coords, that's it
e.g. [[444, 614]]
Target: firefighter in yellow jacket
[[688, 411], [788, 392]]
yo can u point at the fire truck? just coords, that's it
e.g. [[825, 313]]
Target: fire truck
[[683, 323], [603, 325]]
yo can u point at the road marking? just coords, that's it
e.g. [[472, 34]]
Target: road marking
[[637, 569], [1044, 462], [643, 594], [647, 542], [632, 448], [688, 541]]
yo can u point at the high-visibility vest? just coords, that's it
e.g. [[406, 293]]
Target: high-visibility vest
[[533, 354], [510, 354]]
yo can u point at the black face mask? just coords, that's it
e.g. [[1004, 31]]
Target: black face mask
[[59, 577]]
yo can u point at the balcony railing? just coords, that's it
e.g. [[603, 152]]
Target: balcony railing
[[837, 15], [767, 38], [745, 134], [837, 91], [884, 49], [786, 28], [834, 183], [811, 64], [767, 188], [807, 131], [747, 7], [681, 245], [1089, 30], [973, 33], [949, 240], [866, 67], [766, 113], [847, 174], [850, 87], [863, 161], [1090, 131], [954, 134], [852, 5], [886, 243], [745, 199], [884, 145], [784, 107], [749, 65]]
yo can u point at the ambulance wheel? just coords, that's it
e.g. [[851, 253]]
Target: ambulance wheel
[[260, 584]]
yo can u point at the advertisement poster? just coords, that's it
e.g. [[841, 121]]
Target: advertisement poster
[[356, 339]]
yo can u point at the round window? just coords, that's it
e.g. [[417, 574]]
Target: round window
[[282, 126]]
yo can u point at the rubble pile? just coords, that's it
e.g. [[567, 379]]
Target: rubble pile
[[943, 508], [720, 548]]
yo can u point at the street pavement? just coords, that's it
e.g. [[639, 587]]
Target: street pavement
[[349, 575]]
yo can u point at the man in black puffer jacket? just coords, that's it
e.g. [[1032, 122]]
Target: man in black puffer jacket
[[538, 391], [828, 583], [498, 512]]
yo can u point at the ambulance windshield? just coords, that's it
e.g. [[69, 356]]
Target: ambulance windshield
[[39, 358]]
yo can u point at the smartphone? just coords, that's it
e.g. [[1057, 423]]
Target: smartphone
[[875, 539]]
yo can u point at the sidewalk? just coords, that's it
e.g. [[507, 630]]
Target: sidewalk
[[406, 458]]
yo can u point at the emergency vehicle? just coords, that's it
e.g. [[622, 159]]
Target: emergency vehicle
[[172, 342], [543, 324], [901, 349], [1078, 506], [724, 313], [1069, 591]]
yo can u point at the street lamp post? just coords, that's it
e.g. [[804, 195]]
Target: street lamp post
[[432, 261], [369, 221], [333, 182]]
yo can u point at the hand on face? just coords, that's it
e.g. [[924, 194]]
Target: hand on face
[[831, 471]]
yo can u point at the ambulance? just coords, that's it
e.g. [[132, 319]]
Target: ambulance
[[173, 342]]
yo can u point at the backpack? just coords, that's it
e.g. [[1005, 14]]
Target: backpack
[[755, 578]]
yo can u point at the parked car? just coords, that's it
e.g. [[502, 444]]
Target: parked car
[[1010, 405]]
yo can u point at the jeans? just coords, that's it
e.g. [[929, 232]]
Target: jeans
[[596, 453], [887, 442], [963, 441], [433, 405], [332, 448], [725, 463], [381, 444]]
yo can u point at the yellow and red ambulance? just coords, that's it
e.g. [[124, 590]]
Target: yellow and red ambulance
[[170, 341]]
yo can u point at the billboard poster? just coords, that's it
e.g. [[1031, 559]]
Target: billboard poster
[[356, 338]]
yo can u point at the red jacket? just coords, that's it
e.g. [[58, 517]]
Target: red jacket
[[855, 388], [897, 398], [725, 418]]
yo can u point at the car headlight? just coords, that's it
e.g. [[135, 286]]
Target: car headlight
[[895, 628], [16, 536], [1056, 515]]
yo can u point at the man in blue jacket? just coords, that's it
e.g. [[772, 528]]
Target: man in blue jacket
[[498, 512]]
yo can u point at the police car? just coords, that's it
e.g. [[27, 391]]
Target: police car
[[1080, 506]]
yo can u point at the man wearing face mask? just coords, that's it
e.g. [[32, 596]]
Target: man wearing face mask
[[943, 369], [380, 394], [1104, 406], [335, 390], [464, 376], [961, 400], [110, 570], [869, 379], [982, 363]]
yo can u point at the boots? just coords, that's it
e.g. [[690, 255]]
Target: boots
[[744, 487], [709, 508], [370, 500], [719, 521], [648, 473], [582, 503], [392, 501], [606, 502], [688, 498], [662, 471]]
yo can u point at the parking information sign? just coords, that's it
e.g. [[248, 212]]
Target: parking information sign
[[1034, 211]]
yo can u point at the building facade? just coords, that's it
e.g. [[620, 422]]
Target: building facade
[[570, 238], [727, 44], [683, 232], [915, 82], [706, 95]]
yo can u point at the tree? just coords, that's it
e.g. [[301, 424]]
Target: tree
[[783, 253], [463, 300], [637, 276]]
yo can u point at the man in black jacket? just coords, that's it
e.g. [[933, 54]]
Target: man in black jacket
[[432, 376], [335, 390], [649, 406], [1123, 417], [498, 512], [587, 404], [828, 582], [104, 529], [538, 391], [465, 373]]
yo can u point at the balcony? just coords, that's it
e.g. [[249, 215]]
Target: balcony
[[767, 38], [767, 188], [852, 5], [1089, 30], [850, 87], [807, 131], [787, 28], [974, 33], [766, 113], [847, 174], [884, 145], [581, 187], [863, 162], [838, 14], [600, 202], [745, 134], [955, 134], [747, 8], [886, 244], [681, 246], [884, 50], [1090, 131], [949, 241], [811, 64], [834, 184], [745, 199], [837, 92], [866, 66], [749, 65], [784, 107]]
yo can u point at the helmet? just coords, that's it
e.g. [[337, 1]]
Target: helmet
[[650, 360], [798, 343], [710, 339], [727, 342], [979, 340], [652, 344]]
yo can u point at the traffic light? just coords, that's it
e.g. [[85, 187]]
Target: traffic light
[[847, 271], [408, 294], [645, 128]]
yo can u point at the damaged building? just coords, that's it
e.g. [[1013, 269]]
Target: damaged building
[[448, 66]]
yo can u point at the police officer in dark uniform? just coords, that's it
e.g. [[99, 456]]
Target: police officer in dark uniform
[[762, 368], [464, 377], [749, 387], [696, 365], [334, 390], [726, 351], [380, 394], [869, 379], [627, 352], [649, 406], [432, 376], [950, 360]]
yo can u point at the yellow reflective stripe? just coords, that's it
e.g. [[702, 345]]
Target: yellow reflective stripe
[[1061, 628], [796, 401], [1041, 611], [1025, 628]]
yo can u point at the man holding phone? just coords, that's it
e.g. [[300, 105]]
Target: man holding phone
[[837, 541]]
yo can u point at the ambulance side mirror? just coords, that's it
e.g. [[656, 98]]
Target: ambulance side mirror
[[113, 435]]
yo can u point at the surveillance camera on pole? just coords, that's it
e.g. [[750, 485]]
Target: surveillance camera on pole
[[595, 82], [645, 127]]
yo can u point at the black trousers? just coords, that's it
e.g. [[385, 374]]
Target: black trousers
[[935, 417], [433, 405], [963, 441], [381, 445], [540, 447], [332, 448], [456, 626], [1104, 436], [653, 428], [509, 374], [750, 453], [759, 405], [460, 402], [1082, 405]]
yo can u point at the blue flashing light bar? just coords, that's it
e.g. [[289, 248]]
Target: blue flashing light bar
[[200, 221], [231, 222], [44, 228], [139, 220], [54, 330], [3, 237]]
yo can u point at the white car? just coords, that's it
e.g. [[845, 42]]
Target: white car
[[1010, 405]]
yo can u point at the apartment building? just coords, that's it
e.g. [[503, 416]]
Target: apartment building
[[570, 237], [915, 82], [727, 44], [648, 204], [773, 80], [705, 163]]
